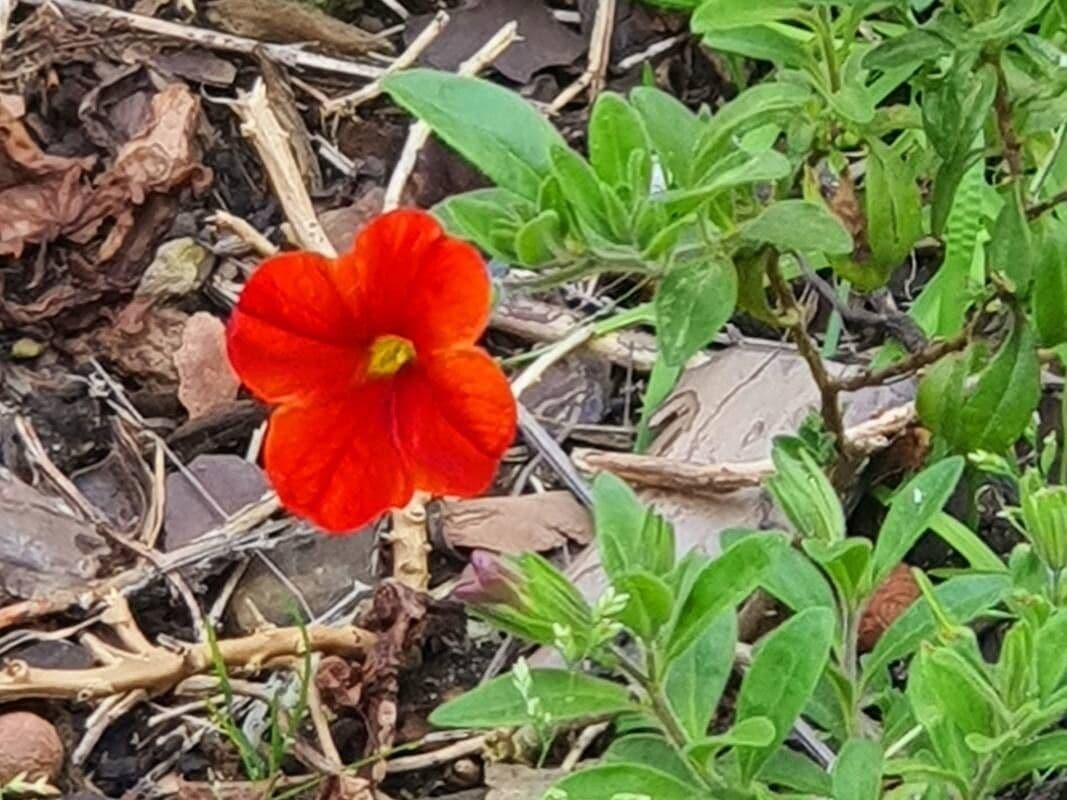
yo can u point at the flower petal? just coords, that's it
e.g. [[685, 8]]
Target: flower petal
[[291, 336], [455, 417], [405, 276], [336, 462]]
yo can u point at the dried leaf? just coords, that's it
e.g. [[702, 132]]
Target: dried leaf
[[287, 21], [205, 377], [180, 267], [43, 549], [515, 525], [543, 41], [40, 195], [891, 599], [140, 344], [162, 157]]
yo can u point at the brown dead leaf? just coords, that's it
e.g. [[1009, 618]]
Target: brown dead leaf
[[338, 683], [543, 41], [162, 157], [40, 195], [891, 599], [43, 549], [141, 344], [205, 378], [538, 522], [287, 21]]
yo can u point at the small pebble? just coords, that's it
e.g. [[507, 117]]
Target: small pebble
[[31, 745]]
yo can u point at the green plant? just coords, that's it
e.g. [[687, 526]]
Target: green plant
[[261, 762], [656, 659]]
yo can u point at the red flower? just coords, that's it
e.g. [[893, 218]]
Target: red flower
[[370, 359]]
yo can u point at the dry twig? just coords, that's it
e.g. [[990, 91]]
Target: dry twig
[[599, 57], [153, 669], [290, 55]]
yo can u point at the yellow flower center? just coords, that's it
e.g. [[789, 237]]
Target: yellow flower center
[[388, 354]]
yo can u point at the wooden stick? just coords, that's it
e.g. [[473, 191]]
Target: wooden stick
[[289, 55], [599, 57], [261, 127], [156, 670], [715, 479]]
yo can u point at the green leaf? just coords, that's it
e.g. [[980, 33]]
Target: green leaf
[[630, 535], [964, 597], [565, 695], [649, 606], [787, 45], [491, 126], [910, 49], [737, 169], [673, 129], [1050, 286], [693, 302], [964, 695], [797, 772], [857, 773], [792, 578], [715, 15], [894, 214], [695, 679], [650, 750], [488, 217], [991, 412], [967, 543], [753, 732], [752, 108], [848, 563], [540, 240], [781, 678], [804, 493], [1044, 753], [616, 781], [1051, 654], [582, 190], [1011, 248], [799, 225], [721, 585], [616, 133], [910, 512]]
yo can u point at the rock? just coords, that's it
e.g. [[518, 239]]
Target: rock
[[205, 377], [323, 568], [180, 267], [30, 745], [231, 481], [43, 549]]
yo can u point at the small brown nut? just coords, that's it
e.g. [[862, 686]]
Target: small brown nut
[[891, 599], [29, 744]]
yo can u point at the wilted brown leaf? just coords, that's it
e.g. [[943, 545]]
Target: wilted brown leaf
[[162, 157], [891, 599], [40, 195], [285, 21]]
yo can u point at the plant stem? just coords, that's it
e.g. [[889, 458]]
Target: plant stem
[[1002, 105], [850, 663], [794, 322]]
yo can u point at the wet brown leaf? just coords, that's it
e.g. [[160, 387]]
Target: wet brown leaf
[[205, 378]]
